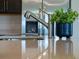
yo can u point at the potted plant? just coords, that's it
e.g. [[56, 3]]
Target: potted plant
[[64, 22]]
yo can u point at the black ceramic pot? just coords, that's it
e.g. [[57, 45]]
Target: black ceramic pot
[[53, 29], [64, 29]]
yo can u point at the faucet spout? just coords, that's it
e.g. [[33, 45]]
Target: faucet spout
[[27, 15]]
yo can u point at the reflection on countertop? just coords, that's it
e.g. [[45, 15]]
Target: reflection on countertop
[[38, 49], [10, 49]]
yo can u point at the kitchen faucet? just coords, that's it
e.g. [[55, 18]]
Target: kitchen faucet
[[48, 25]]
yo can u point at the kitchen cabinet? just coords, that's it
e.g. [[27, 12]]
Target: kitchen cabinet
[[10, 6], [13, 6], [2, 6]]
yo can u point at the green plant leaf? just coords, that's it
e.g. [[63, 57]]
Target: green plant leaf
[[62, 16]]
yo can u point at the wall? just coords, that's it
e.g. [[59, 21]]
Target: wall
[[75, 6], [10, 24]]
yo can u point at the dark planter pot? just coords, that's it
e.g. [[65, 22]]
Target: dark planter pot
[[53, 29], [64, 29]]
